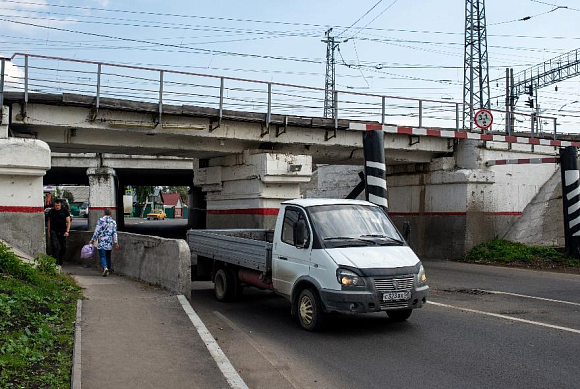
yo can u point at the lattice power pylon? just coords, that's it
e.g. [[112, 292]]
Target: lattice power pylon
[[330, 83], [475, 68]]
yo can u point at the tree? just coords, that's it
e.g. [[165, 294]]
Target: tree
[[69, 196], [143, 192]]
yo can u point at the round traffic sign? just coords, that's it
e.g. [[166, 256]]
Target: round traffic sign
[[483, 119]]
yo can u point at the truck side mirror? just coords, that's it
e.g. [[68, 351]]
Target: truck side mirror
[[300, 234], [406, 231]]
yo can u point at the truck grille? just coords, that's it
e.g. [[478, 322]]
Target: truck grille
[[394, 304], [394, 284]]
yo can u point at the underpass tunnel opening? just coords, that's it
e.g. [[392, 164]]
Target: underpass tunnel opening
[[154, 201], [171, 192]]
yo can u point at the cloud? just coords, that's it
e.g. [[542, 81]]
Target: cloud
[[13, 76]]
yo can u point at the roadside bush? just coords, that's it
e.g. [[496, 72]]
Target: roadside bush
[[503, 251], [11, 265], [37, 313]]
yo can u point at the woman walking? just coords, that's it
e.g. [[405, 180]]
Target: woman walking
[[105, 235]]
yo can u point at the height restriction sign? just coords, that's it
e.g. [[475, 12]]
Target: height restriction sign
[[483, 119]]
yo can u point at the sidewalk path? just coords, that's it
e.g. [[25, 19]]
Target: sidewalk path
[[138, 336]]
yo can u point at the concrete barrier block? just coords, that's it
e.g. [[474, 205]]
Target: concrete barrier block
[[159, 261]]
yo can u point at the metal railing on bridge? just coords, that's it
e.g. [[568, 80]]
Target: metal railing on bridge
[[54, 75]]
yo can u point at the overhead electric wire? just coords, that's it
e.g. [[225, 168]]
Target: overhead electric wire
[[304, 60], [324, 26], [556, 5], [163, 44], [526, 18], [375, 18], [359, 19]]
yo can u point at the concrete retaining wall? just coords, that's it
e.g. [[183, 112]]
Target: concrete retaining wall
[[542, 221], [24, 231], [160, 261]]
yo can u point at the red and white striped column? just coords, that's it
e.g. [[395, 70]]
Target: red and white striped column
[[23, 163], [102, 194]]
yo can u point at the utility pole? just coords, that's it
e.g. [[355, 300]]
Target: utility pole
[[475, 68], [330, 82]]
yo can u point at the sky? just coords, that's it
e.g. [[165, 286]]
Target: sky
[[408, 48]]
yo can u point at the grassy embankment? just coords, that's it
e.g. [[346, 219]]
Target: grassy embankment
[[503, 252], [37, 314]]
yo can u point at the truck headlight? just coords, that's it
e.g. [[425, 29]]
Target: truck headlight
[[421, 277], [349, 278]]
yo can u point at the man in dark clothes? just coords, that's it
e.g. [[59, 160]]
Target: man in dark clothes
[[57, 229]]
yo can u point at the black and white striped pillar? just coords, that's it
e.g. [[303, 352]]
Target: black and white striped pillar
[[571, 199], [375, 168]]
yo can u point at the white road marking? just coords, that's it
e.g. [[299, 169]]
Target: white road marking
[[537, 323], [532, 297], [224, 364]]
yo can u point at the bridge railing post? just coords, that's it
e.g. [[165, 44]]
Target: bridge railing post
[[457, 116], [420, 113], [269, 114], [335, 111], [99, 69], [26, 79], [221, 99], [160, 95], [2, 70], [383, 110]]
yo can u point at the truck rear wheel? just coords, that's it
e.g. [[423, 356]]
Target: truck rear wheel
[[310, 312], [400, 314], [224, 285]]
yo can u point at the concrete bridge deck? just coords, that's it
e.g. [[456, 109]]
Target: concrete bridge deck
[[70, 123]]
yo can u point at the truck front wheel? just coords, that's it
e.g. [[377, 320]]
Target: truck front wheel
[[224, 285], [310, 312], [399, 315]]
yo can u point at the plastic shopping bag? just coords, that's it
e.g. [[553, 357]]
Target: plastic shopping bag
[[87, 251]]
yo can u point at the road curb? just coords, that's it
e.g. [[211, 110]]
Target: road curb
[[75, 379]]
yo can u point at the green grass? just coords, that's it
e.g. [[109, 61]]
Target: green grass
[[506, 252], [37, 314]]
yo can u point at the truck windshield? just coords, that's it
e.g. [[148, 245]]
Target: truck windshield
[[353, 223]]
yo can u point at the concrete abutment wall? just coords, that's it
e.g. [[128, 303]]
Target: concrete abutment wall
[[23, 162], [455, 203]]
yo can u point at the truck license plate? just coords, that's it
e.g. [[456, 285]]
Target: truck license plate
[[395, 296]]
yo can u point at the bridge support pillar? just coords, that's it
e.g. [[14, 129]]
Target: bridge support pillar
[[245, 190], [23, 162], [102, 194], [196, 218], [4, 122]]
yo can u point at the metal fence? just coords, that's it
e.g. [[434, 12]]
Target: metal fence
[[45, 74]]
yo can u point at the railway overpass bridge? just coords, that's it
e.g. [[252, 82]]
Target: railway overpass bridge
[[246, 161]]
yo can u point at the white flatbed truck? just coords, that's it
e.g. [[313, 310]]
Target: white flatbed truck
[[324, 255]]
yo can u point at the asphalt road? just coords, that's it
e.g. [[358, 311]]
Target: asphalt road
[[467, 337]]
